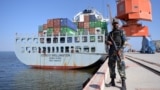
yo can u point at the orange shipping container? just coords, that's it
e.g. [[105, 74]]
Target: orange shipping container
[[80, 24], [50, 23], [86, 18], [57, 23]]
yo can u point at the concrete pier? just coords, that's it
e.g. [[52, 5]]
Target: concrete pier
[[138, 77]]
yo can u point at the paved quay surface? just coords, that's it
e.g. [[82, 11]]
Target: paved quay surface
[[138, 78], [149, 57]]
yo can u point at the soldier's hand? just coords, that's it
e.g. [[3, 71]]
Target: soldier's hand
[[109, 43]]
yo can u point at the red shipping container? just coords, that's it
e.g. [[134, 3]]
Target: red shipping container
[[86, 18], [57, 23], [80, 24], [50, 23], [44, 26]]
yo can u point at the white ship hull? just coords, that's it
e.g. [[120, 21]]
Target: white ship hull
[[32, 51]]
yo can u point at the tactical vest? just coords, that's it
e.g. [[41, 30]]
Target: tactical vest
[[117, 37]]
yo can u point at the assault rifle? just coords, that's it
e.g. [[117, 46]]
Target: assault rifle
[[115, 46]]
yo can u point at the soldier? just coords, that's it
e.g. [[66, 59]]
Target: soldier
[[116, 40]]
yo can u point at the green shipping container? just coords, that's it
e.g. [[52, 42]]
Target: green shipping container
[[92, 24], [98, 24], [49, 31], [66, 30], [103, 25]]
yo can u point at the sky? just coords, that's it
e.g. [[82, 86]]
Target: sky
[[24, 16]]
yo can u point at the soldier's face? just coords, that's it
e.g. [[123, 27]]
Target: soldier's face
[[116, 26]]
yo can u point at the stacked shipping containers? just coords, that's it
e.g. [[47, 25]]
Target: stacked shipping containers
[[58, 26], [90, 24], [65, 26]]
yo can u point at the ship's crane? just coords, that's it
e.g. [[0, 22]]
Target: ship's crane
[[131, 12]]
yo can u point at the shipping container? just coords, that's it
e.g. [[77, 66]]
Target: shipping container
[[56, 31], [86, 18], [57, 23], [50, 23], [44, 26], [80, 31], [80, 25], [86, 25], [92, 24], [91, 30], [65, 22], [50, 31], [98, 24], [104, 25], [92, 18], [66, 30]]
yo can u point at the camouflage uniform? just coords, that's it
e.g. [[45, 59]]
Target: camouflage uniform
[[119, 38]]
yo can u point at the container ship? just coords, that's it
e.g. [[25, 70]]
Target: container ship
[[65, 44]]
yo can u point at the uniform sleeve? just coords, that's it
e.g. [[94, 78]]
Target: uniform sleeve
[[123, 37]]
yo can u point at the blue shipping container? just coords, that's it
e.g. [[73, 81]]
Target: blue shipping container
[[65, 22]]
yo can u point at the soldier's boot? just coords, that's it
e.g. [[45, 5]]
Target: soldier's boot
[[124, 85], [112, 83]]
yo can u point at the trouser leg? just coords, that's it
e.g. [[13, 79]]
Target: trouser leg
[[121, 69], [112, 65]]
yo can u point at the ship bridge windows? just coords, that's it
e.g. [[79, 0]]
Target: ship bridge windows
[[39, 49], [29, 40], [23, 40], [72, 49], [22, 49], [34, 49], [17, 40], [62, 40], [48, 40], [86, 49], [67, 49], [57, 49], [100, 38], [44, 50], [84, 38], [53, 50], [62, 49], [69, 39], [28, 49], [41, 40], [78, 49], [55, 40], [35, 40], [48, 49], [77, 39], [93, 49], [92, 39]]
